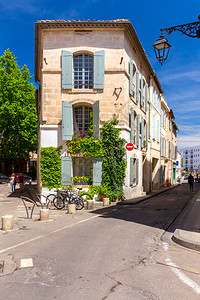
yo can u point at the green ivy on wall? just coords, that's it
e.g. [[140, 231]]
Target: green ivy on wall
[[86, 145], [50, 167], [114, 162], [110, 147]]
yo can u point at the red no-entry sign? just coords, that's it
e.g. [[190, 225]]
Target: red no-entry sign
[[129, 146]]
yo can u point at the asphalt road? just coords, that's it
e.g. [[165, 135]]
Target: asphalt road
[[113, 253]]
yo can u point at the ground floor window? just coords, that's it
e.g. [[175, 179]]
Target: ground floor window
[[133, 171], [82, 166]]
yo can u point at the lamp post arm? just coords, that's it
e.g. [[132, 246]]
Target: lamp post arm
[[189, 29]]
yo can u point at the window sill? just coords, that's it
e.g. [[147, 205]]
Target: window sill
[[80, 186], [83, 91]]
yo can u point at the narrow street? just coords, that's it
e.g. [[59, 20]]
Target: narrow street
[[110, 253]]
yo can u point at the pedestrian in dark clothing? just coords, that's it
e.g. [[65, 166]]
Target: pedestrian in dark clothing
[[191, 181], [21, 182]]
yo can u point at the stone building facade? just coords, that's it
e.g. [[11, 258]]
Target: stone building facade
[[99, 66]]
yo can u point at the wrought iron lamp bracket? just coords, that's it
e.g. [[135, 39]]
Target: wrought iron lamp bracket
[[189, 29]]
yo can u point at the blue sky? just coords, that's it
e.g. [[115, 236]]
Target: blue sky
[[179, 75]]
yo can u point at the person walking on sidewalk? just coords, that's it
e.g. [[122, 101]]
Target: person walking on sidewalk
[[191, 181], [21, 182], [12, 182]]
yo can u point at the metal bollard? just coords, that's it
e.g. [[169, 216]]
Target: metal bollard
[[106, 202], [44, 214], [7, 222], [71, 208]]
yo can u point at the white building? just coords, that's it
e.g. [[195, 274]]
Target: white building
[[191, 158]]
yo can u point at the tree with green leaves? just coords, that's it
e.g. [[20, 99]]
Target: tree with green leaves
[[18, 116]]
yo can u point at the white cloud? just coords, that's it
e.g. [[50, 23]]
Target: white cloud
[[29, 6]]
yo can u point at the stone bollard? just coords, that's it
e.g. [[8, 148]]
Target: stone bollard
[[106, 202], [90, 204], [7, 222], [44, 214], [71, 208]]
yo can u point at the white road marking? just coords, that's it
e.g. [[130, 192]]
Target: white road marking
[[43, 235], [165, 246], [175, 269], [182, 276]]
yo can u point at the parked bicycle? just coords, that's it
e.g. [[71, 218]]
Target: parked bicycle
[[62, 198]]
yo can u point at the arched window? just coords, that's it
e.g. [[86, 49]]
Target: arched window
[[83, 71], [81, 118]]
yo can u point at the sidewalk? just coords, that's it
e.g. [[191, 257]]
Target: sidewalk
[[188, 232]]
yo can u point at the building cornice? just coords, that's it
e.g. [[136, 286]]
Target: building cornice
[[90, 25]]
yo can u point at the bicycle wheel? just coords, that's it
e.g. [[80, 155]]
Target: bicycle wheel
[[58, 202], [86, 197], [79, 203], [49, 201]]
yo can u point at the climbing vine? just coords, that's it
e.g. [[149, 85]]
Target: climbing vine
[[114, 162], [110, 147], [85, 144], [50, 166]]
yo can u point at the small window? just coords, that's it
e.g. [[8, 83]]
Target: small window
[[82, 166], [83, 71], [81, 119]]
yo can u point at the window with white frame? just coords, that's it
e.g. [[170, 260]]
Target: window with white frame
[[83, 66], [81, 119]]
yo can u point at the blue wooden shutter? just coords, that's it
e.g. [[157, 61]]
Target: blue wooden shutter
[[154, 127], [138, 130], [137, 85], [96, 120], [142, 133], [66, 163], [137, 171], [158, 131], [99, 63], [142, 87], [97, 171], [131, 78], [146, 96], [131, 170], [66, 121], [147, 134], [66, 63], [132, 126]]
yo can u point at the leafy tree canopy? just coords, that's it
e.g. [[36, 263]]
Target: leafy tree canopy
[[18, 116]]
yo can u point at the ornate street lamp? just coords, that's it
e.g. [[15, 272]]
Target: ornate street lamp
[[161, 45]]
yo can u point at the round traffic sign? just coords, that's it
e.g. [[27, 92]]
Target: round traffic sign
[[129, 146]]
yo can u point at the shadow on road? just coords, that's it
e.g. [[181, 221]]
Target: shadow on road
[[159, 211]]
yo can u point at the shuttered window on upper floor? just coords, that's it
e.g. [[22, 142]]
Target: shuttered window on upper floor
[[83, 71], [81, 119]]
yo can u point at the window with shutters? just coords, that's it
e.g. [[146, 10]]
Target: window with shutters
[[133, 172], [82, 166], [81, 119], [83, 67]]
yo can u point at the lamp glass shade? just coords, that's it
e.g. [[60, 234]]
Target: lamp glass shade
[[161, 48]]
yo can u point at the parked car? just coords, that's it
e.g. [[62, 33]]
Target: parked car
[[4, 178], [186, 176], [27, 178]]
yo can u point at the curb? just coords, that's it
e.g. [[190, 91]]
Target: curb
[[184, 242], [176, 237]]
